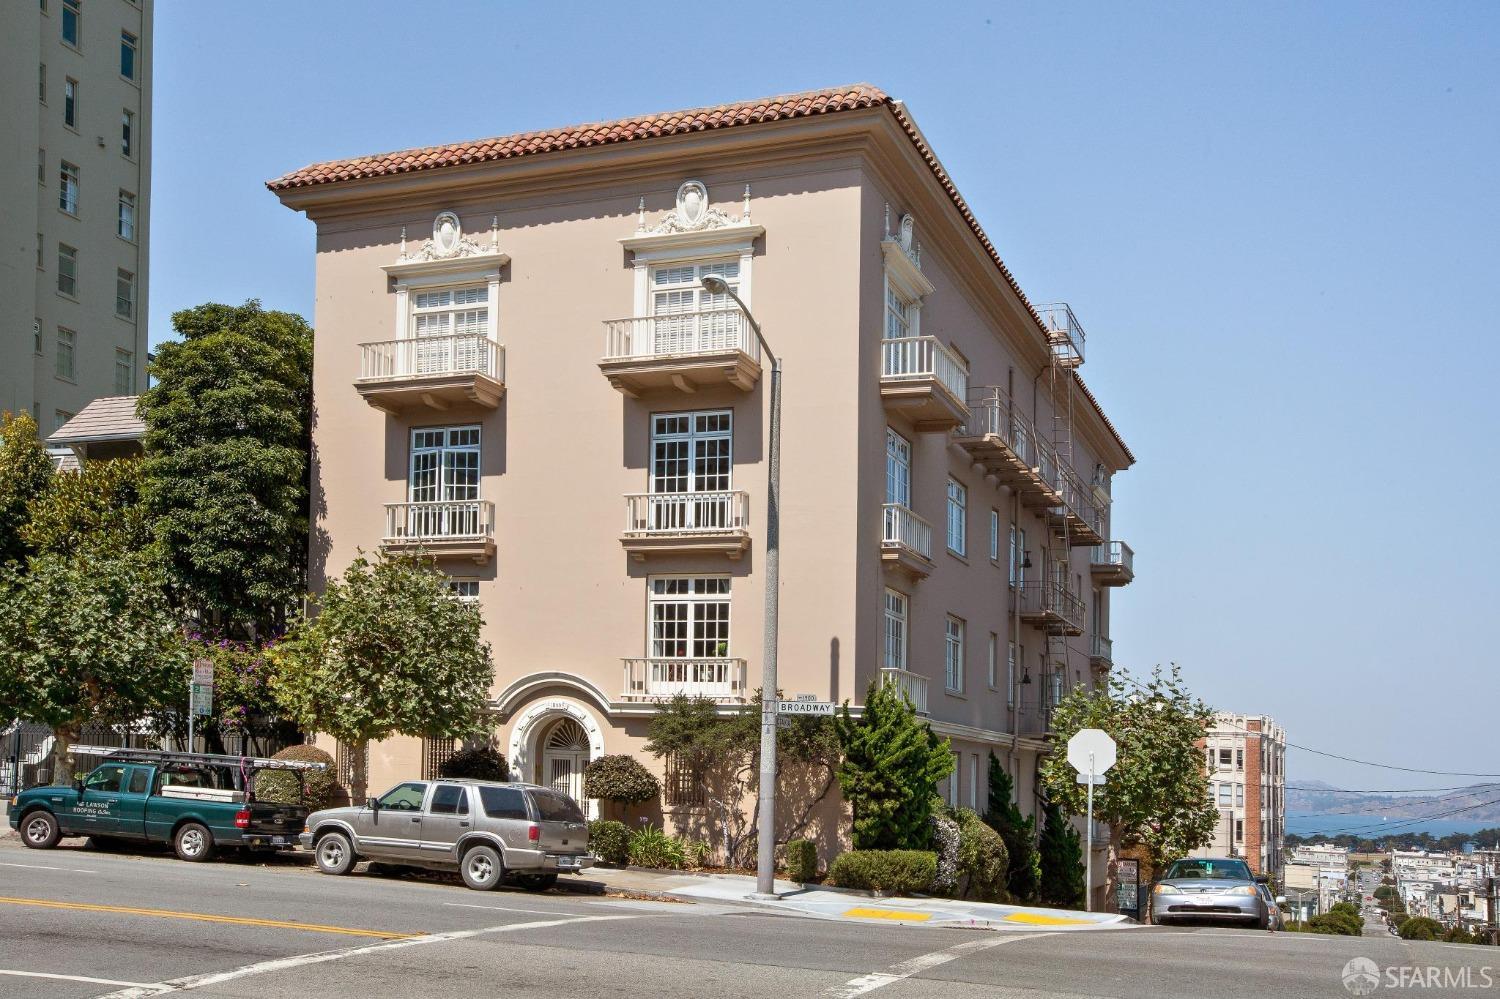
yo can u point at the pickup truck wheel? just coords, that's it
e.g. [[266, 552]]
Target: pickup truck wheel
[[536, 882], [193, 843], [335, 854], [482, 868], [40, 831]]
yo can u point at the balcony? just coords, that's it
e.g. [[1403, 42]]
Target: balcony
[[717, 679], [431, 372], [1101, 652], [924, 379], [1033, 720], [1112, 564], [714, 523], [1064, 333], [1077, 515], [684, 351], [1000, 438], [458, 529], [905, 541], [1051, 607], [912, 686]]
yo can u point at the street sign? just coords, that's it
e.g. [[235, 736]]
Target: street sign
[[1127, 884], [1098, 779], [203, 671], [807, 697], [202, 699], [801, 707], [1091, 741]]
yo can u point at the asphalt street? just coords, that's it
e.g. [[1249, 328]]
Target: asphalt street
[[76, 922]]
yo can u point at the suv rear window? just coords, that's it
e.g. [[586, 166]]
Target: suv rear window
[[554, 807], [503, 802]]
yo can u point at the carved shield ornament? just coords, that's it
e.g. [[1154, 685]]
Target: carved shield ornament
[[906, 229], [692, 203], [446, 233]]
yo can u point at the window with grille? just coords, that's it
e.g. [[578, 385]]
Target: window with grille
[[895, 630], [436, 752], [690, 453], [125, 223], [67, 342], [958, 512], [124, 372], [444, 472], [953, 654], [689, 617], [124, 294], [897, 468], [462, 314], [683, 784], [67, 191], [687, 318], [897, 315], [1010, 676], [343, 762]]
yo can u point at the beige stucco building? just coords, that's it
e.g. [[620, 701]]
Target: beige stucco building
[[75, 122], [518, 368], [1246, 759]]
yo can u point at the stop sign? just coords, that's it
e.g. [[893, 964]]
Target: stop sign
[[1091, 741]]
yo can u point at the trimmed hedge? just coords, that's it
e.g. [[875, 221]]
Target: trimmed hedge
[[282, 785], [476, 763], [619, 778], [900, 871], [610, 841], [1420, 928], [983, 861], [801, 860]]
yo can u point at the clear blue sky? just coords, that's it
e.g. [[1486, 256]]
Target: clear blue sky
[[1279, 224]]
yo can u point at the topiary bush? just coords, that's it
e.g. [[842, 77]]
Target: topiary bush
[[983, 861], [945, 837], [650, 847], [801, 860], [898, 871], [619, 778], [610, 841], [476, 763], [321, 786], [1420, 928]]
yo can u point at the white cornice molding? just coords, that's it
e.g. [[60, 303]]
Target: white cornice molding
[[904, 272]]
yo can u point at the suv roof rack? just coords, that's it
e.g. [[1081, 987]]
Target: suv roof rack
[[214, 759]]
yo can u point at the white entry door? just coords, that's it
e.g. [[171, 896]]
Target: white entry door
[[564, 755]]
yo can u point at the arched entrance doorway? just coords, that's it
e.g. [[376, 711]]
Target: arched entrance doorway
[[565, 752]]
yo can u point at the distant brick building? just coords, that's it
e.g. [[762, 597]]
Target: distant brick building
[[1246, 758]]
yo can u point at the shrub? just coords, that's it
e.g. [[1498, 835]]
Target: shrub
[[1420, 928], [945, 837], [610, 841], [1457, 934], [983, 861], [476, 763], [1347, 907], [1332, 924], [653, 848], [317, 788], [899, 871], [696, 852], [619, 778], [801, 860]]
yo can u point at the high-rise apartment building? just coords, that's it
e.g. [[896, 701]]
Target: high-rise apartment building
[[1246, 759], [521, 370], [75, 122]]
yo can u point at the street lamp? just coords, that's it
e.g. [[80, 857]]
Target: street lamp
[[765, 862]]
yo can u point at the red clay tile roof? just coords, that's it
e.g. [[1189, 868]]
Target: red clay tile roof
[[768, 109]]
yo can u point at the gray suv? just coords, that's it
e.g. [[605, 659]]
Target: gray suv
[[483, 829]]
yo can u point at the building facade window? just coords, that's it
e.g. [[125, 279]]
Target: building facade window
[[70, 102], [1239, 795], [67, 191], [1239, 759], [124, 372], [1239, 830], [459, 312], [436, 752], [1017, 555], [41, 82], [67, 269], [683, 783], [67, 343], [127, 132], [465, 591], [692, 452], [958, 512], [1226, 757], [1226, 794], [444, 467], [897, 468], [124, 294], [974, 781], [953, 780], [1010, 676], [995, 536], [41, 167], [72, 22], [59, 418], [40, 249], [689, 617], [897, 315], [953, 654], [993, 660], [125, 224], [128, 46], [895, 630], [688, 317], [36, 335]]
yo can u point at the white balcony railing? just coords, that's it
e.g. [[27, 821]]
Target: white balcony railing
[[904, 528], [1102, 648], [911, 685], [454, 520], [915, 357], [669, 514], [1116, 553], [719, 678], [680, 334], [421, 357]]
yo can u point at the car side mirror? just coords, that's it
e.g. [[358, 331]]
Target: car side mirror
[[1281, 900], [373, 804]]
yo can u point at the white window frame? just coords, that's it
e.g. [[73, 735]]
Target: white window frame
[[125, 216], [65, 366], [446, 486], [954, 777], [958, 517], [69, 187], [974, 781], [693, 437], [897, 468], [124, 371], [953, 654], [1226, 795], [67, 269], [896, 615], [130, 41], [1010, 675], [70, 103], [694, 602], [464, 589], [1017, 555], [651, 250], [901, 315], [72, 9], [1239, 795], [994, 661], [124, 282], [994, 536], [127, 133]]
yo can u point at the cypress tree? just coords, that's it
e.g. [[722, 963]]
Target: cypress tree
[[1061, 861], [892, 765], [1019, 833]]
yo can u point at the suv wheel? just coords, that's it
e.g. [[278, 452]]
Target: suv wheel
[[482, 868], [536, 882], [193, 842], [39, 830], [335, 855]]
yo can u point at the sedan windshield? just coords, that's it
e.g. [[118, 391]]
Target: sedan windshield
[[1213, 870]]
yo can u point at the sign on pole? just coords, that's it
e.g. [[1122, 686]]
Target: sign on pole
[[203, 671], [801, 707], [1091, 752], [1128, 884]]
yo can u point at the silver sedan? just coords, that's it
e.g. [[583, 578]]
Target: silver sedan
[[1209, 890]]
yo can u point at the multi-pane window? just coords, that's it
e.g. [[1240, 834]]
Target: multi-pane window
[[994, 535], [465, 591], [690, 319], [67, 192], [1010, 676], [1017, 555], [953, 654], [462, 313], [691, 453], [958, 513], [1226, 791], [444, 465], [36, 336], [1239, 759], [897, 468], [67, 269], [993, 660], [953, 780], [689, 617], [897, 315], [67, 342], [127, 55], [59, 418], [125, 223], [41, 167], [124, 294], [41, 82], [895, 630], [127, 132], [1239, 795], [70, 102], [72, 22], [1226, 756], [124, 371]]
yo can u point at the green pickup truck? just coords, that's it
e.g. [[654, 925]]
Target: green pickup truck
[[197, 802]]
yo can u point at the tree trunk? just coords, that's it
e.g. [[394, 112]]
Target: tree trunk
[[63, 737], [359, 782]]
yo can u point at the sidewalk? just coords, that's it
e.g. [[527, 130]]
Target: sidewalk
[[842, 904]]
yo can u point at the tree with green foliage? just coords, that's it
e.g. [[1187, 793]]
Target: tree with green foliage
[[1018, 832], [1157, 796], [87, 639], [96, 510], [25, 471], [1060, 861], [893, 763], [227, 442], [391, 652]]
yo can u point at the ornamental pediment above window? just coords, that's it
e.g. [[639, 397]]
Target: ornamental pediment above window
[[694, 225], [903, 258], [449, 250]]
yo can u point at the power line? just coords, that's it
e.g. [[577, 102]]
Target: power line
[[1382, 790]]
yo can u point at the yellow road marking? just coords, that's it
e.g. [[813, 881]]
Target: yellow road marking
[[205, 917], [915, 917], [1038, 919]]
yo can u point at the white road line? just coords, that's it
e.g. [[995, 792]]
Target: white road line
[[190, 982], [69, 978], [923, 962], [43, 867]]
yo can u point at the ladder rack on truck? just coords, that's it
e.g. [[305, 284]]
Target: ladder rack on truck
[[210, 759]]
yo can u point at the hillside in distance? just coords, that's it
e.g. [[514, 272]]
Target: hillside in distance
[[1479, 802]]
